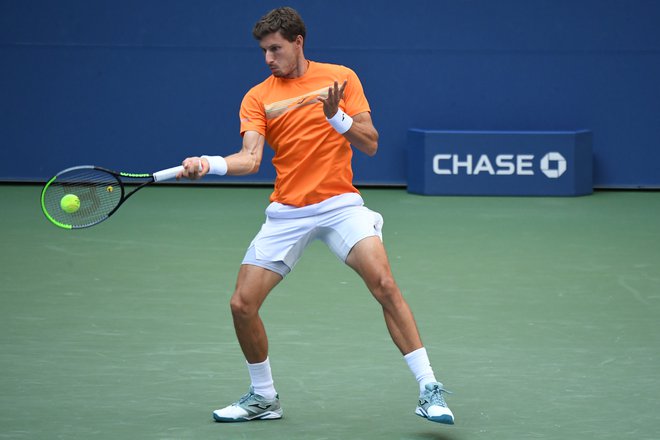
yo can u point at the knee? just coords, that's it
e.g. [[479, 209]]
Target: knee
[[386, 290], [240, 307]]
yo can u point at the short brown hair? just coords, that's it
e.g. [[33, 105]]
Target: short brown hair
[[285, 20]]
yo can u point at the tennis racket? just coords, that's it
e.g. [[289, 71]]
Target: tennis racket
[[84, 196]]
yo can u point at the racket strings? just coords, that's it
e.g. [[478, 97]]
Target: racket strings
[[99, 193]]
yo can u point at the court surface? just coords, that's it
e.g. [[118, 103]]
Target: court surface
[[542, 315]]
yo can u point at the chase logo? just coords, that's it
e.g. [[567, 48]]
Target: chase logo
[[553, 165]]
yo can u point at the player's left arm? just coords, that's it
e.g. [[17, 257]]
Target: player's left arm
[[362, 134]]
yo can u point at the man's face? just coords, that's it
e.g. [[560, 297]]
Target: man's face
[[281, 55]]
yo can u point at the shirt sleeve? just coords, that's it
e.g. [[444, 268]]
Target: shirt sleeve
[[252, 114], [354, 98]]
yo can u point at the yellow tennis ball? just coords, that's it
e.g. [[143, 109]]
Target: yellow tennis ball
[[110, 189], [70, 203]]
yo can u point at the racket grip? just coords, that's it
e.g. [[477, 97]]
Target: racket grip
[[167, 174]]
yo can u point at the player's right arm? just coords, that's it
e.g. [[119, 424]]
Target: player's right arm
[[245, 161], [248, 159]]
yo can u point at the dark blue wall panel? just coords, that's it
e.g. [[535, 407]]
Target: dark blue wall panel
[[138, 85]]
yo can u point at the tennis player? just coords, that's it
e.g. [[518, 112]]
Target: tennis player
[[310, 113]]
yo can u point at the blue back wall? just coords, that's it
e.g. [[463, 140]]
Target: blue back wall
[[138, 85]]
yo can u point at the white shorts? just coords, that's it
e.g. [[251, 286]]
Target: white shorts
[[340, 222]]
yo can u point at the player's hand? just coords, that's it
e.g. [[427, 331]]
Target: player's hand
[[331, 103], [194, 168]]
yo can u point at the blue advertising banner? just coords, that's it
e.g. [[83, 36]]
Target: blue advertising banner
[[502, 163]]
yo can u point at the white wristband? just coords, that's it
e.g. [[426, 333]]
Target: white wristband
[[217, 165], [341, 122]]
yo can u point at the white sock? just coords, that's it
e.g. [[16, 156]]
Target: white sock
[[262, 379], [419, 364]]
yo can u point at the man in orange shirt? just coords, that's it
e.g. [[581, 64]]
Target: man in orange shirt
[[310, 113]]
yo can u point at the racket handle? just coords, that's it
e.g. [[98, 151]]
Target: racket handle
[[167, 174]]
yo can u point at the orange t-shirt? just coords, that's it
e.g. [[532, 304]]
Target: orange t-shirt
[[312, 160]]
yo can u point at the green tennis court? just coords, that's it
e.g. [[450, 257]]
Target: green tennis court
[[542, 315]]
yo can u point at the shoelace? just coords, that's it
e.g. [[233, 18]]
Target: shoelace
[[436, 396], [244, 398]]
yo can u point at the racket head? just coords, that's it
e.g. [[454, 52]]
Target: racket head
[[100, 192]]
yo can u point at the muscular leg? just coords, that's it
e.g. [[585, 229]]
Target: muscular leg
[[369, 259], [261, 403], [252, 287]]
